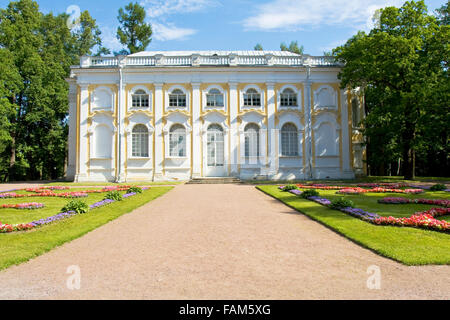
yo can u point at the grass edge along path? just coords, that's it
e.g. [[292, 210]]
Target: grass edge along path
[[19, 247], [409, 246]]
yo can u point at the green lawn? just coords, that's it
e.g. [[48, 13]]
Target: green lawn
[[410, 246], [18, 247], [368, 179]]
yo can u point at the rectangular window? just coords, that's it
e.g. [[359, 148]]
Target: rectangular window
[[140, 100], [288, 100]]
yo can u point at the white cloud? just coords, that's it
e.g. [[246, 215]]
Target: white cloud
[[294, 15], [109, 39], [165, 32], [158, 8]]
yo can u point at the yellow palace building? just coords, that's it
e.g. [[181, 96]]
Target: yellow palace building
[[187, 114]]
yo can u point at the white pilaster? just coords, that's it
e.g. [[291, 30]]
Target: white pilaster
[[272, 131], [308, 128], [82, 173], [196, 131], [122, 154], [234, 126], [159, 149]]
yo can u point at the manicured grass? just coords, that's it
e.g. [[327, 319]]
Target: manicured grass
[[137, 183], [369, 179], [22, 246], [410, 246], [53, 205], [369, 202]]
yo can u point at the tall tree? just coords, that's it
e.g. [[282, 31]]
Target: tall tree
[[293, 47], [133, 32], [36, 52], [400, 64], [258, 47]]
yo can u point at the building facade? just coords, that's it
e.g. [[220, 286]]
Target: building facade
[[180, 115]]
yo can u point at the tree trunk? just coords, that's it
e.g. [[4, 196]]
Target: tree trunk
[[12, 159], [408, 163]]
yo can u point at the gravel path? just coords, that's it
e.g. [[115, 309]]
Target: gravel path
[[218, 242]]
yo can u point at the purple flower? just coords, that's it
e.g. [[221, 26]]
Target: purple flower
[[296, 192], [129, 194]]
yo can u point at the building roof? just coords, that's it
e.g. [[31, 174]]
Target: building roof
[[215, 52], [208, 59]]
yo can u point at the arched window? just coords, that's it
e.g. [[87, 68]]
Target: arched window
[[289, 140], [288, 98], [355, 112], [252, 98], [251, 135], [103, 141], [214, 98], [177, 98], [177, 141], [140, 99], [139, 141]]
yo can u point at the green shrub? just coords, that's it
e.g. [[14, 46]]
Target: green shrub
[[341, 203], [113, 195], [78, 206], [438, 187], [289, 187], [309, 193], [135, 190]]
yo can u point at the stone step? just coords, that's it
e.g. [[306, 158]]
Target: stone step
[[215, 180]]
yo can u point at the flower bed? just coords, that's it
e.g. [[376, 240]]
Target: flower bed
[[44, 194], [357, 190], [7, 228], [29, 206], [399, 200], [388, 185], [423, 220]]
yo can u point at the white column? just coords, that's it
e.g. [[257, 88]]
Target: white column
[[346, 168], [121, 129], [308, 130], [272, 131], [72, 139], [196, 131], [82, 173], [158, 154], [234, 128]]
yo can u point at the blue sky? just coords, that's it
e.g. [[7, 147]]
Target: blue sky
[[319, 25]]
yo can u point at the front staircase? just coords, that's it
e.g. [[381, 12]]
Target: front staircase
[[215, 180]]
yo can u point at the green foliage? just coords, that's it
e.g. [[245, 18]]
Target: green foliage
[[78, 206], [36, 52], [341, 203], [438, 187], [401, 67], [289, 187], [133, 32], [134, 189], [258, 47], [293, 47], [309, 193], [113, 195]]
